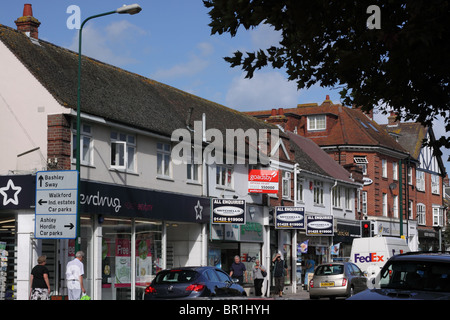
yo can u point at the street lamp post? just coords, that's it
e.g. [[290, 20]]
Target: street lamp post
[[126, 9]]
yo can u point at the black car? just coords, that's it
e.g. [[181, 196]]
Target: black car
[[418, 276], [192, 282]]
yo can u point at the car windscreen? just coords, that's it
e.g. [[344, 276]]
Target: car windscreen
[[413, 275], [175, 276], [329, 269]]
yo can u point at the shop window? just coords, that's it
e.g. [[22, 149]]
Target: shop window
[[116, 259], [148, 253]]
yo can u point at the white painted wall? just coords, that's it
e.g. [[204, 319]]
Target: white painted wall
[[24, 106]]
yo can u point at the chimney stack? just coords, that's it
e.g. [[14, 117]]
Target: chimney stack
[[27, 23]]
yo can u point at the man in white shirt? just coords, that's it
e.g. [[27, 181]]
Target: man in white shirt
[[74, 276]]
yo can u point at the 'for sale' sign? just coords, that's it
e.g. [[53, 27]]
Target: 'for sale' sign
[[263, 181]]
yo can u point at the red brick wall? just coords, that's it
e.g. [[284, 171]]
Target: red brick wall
[[59, 141]]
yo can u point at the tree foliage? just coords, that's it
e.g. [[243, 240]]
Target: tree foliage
[[403, 65]]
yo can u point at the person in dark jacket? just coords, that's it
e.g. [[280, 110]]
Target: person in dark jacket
[[280, 269]]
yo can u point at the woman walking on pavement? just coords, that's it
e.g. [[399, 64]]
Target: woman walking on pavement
[[280, 269], [259, 273], [40, 286]]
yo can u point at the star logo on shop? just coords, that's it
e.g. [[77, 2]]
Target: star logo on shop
[[10, 193], [198, 211]]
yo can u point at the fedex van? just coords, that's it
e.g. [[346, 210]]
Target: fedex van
[[370, 254]]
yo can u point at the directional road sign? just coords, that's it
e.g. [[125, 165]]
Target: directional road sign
[[56, 204]]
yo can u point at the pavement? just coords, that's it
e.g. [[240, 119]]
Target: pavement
[[299, 295]]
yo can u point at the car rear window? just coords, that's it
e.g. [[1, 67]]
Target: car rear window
[[426, 276], [329, 269], [175, 276]]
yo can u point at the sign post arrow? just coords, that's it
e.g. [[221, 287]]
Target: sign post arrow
[[70, 226]]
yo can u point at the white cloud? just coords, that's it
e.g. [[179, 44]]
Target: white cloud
[[109, 44], [265, 36], [196, 63], [264, 91]]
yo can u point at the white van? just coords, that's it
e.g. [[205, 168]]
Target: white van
[[370, 254]]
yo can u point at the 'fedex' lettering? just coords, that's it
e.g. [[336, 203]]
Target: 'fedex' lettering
[[372, 257]]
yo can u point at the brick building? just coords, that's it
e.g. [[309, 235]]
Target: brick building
[[350, 136]]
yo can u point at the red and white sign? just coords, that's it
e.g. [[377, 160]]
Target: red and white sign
[[263, 181]]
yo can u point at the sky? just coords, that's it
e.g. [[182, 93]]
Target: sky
[[170, 41]]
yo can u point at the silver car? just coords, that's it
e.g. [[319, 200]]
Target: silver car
[[337, 279]]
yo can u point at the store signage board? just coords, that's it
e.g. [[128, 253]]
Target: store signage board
[[263, 181], [289, 218], [228, 211], [56, 204], [318, 225]]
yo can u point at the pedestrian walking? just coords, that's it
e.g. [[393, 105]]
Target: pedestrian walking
[[259, 273], [74, 276], [238, 270], [280, 269], [40, 286]]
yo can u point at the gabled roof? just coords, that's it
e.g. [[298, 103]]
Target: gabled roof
[[409, 134], [352, 127], [118, 95], [323, 163]]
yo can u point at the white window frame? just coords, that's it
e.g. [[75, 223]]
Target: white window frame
[[336, 193], [286, 185], [395, 206], [435, 184], [163, 160], [348, 199], [318, 192], [87, 145], [124, 159], [421, 214], [224, 176], [317, 122], [300, 190], [361, 161], [410, 172], [385, 205], [384, 168], [437, 216], [395, 170], [411, 210], [420, 180], [364, 202], [193, 168]]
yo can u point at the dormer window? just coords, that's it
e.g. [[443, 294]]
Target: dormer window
[[317, 122]]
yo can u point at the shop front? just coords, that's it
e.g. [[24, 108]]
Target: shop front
[[127, 234], [245, 240]]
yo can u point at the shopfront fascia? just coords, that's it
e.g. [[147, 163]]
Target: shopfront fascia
[[117, 223]]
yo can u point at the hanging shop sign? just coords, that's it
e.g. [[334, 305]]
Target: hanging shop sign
[[317, 225], [228, 211], [289, 218], [263, 181]]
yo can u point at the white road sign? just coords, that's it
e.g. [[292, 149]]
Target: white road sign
[[56, 204]]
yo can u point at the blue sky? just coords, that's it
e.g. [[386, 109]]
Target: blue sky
[[170, 42]]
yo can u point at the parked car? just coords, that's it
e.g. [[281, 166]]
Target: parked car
[[192, 282], [337, 279], [418, 276]]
